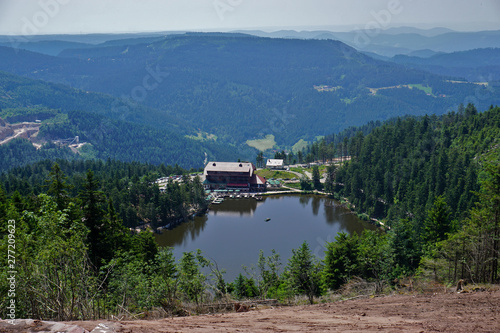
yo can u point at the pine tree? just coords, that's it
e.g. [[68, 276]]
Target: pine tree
[[191, 280], [58, 187], [316, 178], [93, 213], [437, 224], [304, 272]]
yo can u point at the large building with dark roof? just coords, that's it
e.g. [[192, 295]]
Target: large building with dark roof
[[233, 176]]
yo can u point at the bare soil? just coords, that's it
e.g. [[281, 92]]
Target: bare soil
[[451, 312]]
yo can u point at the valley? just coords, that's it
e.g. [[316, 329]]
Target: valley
[[156, 180], [241, 88]]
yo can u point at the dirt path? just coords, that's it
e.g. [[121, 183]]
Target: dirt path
[[452, 312]]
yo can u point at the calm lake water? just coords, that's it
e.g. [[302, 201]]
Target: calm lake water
[[233, 232]]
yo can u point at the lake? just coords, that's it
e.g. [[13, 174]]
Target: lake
[[233, 232]]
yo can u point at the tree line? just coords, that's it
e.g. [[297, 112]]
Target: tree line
[[131, 187], [75, 252], [73, 255], [433, 181]]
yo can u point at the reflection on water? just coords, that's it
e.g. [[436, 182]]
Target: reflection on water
[[233, 232], [182, 233], [237, 207], [315, 205]]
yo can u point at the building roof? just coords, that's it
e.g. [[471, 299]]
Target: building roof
[[230, 167], [274, 163], [257, 180]]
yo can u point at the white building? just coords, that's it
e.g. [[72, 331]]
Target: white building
[[274, 164]]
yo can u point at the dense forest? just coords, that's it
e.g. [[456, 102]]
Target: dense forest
[[130, 186], [422, 177], [399, 168], [266, 85], [433, 181], [66, 113]]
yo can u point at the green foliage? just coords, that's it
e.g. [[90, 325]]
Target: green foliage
[[125, 141], [341, 261], [138, 134], [130, 186], [304, 272], [376, 258], [244, 287], [129, 283], [406, 246], [54, 277], [191, 280], [400, 168], [265, 275], [75, 252], [31, 114], [305, 184], [330, 177], [58, 187], [20, 152], [316, 178], [473, 252], [437, 224], [269, 270]]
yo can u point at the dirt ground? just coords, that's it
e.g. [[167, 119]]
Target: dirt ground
[[452, 312]]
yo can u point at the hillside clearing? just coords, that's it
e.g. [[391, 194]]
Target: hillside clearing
[[276, 174], [262, 144], [301, 144]]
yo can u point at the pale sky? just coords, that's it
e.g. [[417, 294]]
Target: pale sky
[[26, 17]]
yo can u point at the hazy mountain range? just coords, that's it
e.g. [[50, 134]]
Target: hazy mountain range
[[228, 88]]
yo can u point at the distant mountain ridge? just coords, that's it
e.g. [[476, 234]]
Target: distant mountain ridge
[[473, 65], [239, 87], [403, 40]]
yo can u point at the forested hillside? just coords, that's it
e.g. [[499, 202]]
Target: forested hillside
[[423, 177], [240, 87], [74, 233], [111, 133], [401, 168], [17, 91], [434, 182]]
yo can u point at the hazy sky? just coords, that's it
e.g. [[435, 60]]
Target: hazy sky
[[90, 16]]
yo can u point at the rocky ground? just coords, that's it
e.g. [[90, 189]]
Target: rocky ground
[[450, 312]]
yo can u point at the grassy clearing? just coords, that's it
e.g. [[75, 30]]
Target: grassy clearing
[[426, 89], [348, 101], [299, 170], [275, 174], [262, 144], [202, 136], [301, 144], [293, 185]]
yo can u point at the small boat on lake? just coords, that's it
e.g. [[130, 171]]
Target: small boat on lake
[[268, 219]]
